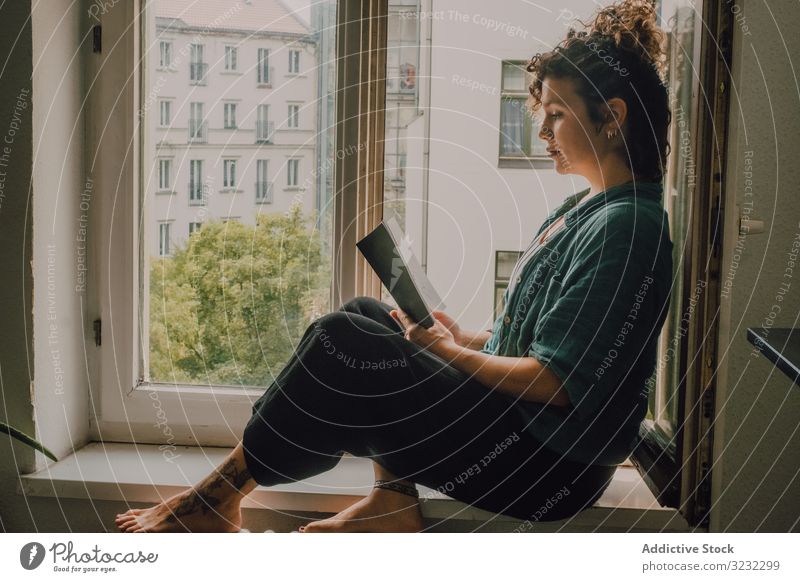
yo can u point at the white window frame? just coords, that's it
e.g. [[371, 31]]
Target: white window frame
[[229, 115], [164, 106], [262, 176], [127, 408], [294, 61], [194, 227], [164, 238], [231, 58], [165, 174], [293, 116], [262, 67], [196, 177], [165, 54], [229, 173], [293, 173]]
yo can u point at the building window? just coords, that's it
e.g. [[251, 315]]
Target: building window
[[194, 226], [197, 125], [229, 173], [294, 62], [230, 58], [504, 262], [196, 182], [292, 173], [198, 68], [264, 128], [164, 174], [164, 113], [293, 119], [165, 54], [518, 127], [230, 115], [262, 67], [163, 239], [263, 185]]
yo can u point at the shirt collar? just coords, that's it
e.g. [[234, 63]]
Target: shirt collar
[[639, 189]]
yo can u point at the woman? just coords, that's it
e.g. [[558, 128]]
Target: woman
[[531, 419]]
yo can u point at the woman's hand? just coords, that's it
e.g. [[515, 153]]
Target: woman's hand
[[433, 338]]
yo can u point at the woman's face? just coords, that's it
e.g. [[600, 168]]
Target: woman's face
[[572, 138]]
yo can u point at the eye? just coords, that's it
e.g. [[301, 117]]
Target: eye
[[554, 115]]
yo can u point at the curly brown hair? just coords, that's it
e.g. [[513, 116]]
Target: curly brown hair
[[633, 70]]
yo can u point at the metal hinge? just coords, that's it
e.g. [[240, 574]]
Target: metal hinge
[[98, 336], [97, 38]]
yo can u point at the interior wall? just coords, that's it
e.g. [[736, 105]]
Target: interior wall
[[755, 484]]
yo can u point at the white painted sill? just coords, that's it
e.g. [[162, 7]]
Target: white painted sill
[[144, 474]]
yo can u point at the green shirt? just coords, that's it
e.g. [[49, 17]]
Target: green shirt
[[589, 305]]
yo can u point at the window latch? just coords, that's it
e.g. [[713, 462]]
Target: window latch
[[97, 38]]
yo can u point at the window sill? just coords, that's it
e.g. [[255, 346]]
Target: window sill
[[540, 163], [145, 474]]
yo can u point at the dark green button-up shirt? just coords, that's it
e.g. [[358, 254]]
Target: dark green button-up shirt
[[589, 305]]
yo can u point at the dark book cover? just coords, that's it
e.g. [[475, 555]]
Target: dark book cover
[[388, 251]]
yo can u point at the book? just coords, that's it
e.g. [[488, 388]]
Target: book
[[389, 253]]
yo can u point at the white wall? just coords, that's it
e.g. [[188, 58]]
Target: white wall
[[754, 480], [476, 207]]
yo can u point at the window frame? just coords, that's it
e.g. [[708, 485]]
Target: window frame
[[294, 62], [127, 409], [229, 115], [231, 57], [530, 159], [263, 72]]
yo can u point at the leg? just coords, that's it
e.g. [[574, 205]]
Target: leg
[[211, 505]]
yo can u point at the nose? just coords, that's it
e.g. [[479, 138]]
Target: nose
[[545, 133]]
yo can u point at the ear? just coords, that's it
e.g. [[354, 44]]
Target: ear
[[616, 112]]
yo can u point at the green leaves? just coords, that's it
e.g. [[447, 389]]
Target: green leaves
[[230, 306], [28, 440]]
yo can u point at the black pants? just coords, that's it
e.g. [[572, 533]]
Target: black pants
[[356, 384]]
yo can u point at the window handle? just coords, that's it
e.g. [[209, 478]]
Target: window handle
[[750, 226]]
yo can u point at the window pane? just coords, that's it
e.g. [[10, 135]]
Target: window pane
[[512, 127], [274, 249], [514, 77]]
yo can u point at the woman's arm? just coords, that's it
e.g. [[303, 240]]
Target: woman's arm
[[474, 340], [524, 377]]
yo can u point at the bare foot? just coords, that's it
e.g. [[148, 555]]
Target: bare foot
[[380, 511], [183, 512]]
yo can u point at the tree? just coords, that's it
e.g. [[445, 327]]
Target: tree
[[230, 306]]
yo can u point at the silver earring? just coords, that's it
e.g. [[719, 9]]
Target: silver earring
[[611, 134]]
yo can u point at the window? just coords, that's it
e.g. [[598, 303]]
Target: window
[[230, 58], [230, 115], [163, 239], [518, 127], [194, 226], [164, 174], [198, 68], [264, 128], [197, 124], [229, 174], [292, 171], [262, 67], [504, 262], [164, 113], [263, 185], [293, 119], [196, 186], [165, 54], [294, 62]]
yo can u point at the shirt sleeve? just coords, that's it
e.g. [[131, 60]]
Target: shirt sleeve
[[603, 317]]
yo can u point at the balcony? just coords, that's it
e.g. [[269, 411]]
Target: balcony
[[197, 193], [265, 131], [198, 131], [198, 73], [264, 192]]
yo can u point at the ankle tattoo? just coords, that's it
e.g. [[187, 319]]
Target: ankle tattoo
[[410, 490]]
